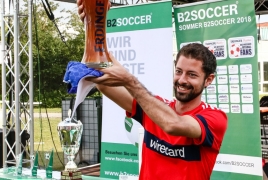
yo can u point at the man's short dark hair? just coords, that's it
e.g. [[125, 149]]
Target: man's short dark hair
[[199, 52]]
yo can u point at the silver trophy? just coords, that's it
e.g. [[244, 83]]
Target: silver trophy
[[70, 132]]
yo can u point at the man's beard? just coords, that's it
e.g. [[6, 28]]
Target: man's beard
[[187, 97]]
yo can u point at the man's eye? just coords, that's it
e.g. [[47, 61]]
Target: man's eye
[[178, 71], [192, 75]]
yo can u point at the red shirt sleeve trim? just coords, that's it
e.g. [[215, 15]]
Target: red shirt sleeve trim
[[198, 141], [131, 114]]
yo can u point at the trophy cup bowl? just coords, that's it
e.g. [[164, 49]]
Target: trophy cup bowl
[[70, 133], [95, 53]]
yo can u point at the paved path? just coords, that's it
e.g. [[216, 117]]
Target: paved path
[[50, 115]]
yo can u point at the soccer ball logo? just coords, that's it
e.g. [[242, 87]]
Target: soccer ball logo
[[235, 50], [47, 155], [132, 130]]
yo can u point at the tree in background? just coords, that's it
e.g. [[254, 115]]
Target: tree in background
[[52, 52]]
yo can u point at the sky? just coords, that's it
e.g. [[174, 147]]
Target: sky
[[64, 5], [263, 18]]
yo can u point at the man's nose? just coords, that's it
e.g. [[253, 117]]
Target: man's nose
[[182, 79]]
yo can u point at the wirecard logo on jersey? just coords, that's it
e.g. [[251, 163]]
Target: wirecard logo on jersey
[[218, 11], [130, 21], [186, 152], [166, 150]]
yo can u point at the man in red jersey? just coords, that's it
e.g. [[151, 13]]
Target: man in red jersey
[[183, 136]]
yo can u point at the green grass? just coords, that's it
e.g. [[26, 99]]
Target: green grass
[[51, 110], [45, 139], [45, 133]]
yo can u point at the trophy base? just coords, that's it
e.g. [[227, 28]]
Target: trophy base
[[99, 65], [76, 175]]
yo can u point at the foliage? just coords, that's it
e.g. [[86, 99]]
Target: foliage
[[52, 52], [51, 56]]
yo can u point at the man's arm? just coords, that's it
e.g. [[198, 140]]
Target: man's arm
[[161, 114], [119, 95], [123, 87]]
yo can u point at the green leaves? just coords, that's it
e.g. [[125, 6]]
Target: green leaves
[[51, 54]]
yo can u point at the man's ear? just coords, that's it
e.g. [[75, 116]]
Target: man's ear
[[209, 80]]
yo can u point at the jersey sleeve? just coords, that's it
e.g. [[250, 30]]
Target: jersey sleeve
[[213, 125], [137, 112]]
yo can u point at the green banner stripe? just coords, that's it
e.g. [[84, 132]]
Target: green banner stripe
[[140, 17], [118, 159], [217, 17], [228, 28], [217, 175]]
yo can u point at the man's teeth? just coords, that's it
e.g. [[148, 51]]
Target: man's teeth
[[182, 88]]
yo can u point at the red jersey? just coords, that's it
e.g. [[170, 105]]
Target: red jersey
[[167, 157]]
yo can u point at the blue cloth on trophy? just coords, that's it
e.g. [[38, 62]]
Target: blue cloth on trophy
[[76, 71]]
